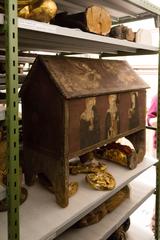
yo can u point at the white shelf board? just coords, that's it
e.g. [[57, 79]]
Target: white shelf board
[[38, 36], [42, 219], [139, 192]]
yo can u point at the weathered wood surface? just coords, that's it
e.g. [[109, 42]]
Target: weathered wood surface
[[71, 112], [89, 77], [95, 19]]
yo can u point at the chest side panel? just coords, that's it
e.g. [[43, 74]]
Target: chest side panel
[[97, 119], [43, 115]]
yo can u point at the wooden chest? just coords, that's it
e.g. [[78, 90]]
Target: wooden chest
[[72, 106]]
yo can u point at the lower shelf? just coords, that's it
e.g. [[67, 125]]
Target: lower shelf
[[42, 219], [102, 230]]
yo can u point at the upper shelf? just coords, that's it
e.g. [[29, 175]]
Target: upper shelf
[[39, 36], [121, 10], [45, 37]]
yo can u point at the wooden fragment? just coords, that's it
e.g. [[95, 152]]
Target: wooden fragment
[[122, 32], [116, 32], [126, 225], [108, 206], [138, 141], [120, 233], [98, 20], [130, 35], [95, 19], [89, 167], [42, 11], [70, 21], [101, 180], [120, 154]]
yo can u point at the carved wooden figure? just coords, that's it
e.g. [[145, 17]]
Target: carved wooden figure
[[71, 106]]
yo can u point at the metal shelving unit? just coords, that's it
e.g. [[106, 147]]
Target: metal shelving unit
[[33, 35]]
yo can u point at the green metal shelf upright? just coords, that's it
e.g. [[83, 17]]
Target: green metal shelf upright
[[11, 45], [11, 41]]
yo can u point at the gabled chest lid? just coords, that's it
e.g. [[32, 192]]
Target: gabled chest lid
[[80, 77]]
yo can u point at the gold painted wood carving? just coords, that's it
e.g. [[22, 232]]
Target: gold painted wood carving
[[43, 10], [78, 167], [101, 180], [118, 153], [3, 174]]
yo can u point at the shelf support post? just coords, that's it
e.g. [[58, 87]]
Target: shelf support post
[[157, 234], [11, 41]]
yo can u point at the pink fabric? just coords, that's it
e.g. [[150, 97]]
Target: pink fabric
[[152, 113]]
